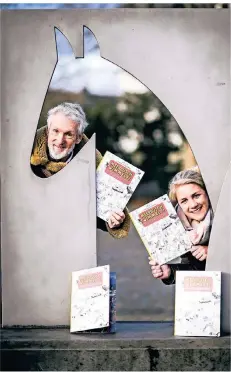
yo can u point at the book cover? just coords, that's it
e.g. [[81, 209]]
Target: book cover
[[90, 299], [161, 230], [112, 310], [116, 180], [197, 303]]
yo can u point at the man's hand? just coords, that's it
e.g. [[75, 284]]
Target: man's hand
[[200, 252], [159, 271], [115, 219]]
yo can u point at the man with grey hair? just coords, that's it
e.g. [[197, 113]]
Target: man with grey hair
[[58, 142], [66, 124]]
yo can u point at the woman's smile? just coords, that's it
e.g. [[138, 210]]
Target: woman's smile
[[193, 200]]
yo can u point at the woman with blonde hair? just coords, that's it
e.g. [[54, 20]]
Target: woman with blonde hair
[[188, 194]]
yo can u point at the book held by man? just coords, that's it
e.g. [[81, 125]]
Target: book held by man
[[93, 300], [116, 180], [197, 303], [161, 230]]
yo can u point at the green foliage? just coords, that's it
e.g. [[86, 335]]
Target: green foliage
[[123, 127], [136, 128]]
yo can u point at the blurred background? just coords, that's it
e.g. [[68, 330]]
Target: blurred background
[[128, 119], [131, 122]]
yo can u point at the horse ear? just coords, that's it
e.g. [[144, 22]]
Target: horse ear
[[63, 46], [90, 43]]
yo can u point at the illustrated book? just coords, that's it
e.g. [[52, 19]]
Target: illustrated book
[[161, 230], [116, 180], [197, 303], [93, 300]]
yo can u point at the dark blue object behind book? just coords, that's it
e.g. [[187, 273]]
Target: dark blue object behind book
[[112, 315]]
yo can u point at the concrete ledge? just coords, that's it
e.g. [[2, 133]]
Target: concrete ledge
[[137, 346]]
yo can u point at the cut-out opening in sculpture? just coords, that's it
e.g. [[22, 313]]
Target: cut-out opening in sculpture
[[106, 93], [60, 131], [89, 95]]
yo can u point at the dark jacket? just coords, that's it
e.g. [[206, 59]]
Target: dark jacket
[[188, 262]]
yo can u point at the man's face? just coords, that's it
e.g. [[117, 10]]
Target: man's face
[[62, 136]]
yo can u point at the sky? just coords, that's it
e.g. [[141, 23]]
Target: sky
[[94, 73]]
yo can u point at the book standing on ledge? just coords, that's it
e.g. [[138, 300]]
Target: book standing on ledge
[[197, 303], [93, 300]]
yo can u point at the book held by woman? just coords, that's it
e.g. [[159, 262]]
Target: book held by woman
[[161, 230]]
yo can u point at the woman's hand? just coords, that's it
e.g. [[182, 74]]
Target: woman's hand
[[200, 252], [159, 271], [115, 219]]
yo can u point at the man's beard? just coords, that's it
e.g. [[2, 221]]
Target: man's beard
[[62, 154]]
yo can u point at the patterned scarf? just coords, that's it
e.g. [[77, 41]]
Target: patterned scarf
[[199, 232]]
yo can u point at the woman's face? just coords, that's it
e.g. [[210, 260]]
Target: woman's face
[[193, 200]]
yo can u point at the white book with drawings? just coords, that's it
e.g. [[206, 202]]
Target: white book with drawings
[[197, 303], [161, 230], [116, 180], [90, 302]]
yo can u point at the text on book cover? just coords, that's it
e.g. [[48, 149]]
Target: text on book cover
[[153, 214], [119, 172], [90, 280], [198, 283]]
